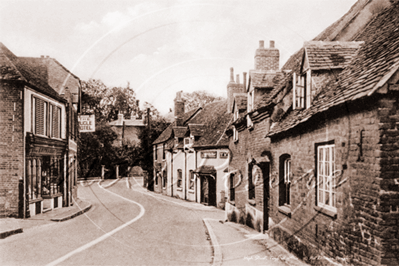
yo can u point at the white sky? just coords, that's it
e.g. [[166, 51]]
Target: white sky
[[161, 47]]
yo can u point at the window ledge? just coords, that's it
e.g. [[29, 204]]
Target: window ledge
[[286, 210], [164, 188], [179, 189], [330, 213], [191, 191], [252, 202]]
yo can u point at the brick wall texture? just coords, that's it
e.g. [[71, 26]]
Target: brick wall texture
[[365, 231], [11, 147]]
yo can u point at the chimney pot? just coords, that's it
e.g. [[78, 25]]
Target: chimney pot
[[42, 56], [261, 44], [237, 79], [271, 44], [232, 79]]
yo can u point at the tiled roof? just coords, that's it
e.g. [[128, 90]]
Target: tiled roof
[[179, 132], [215, 120], [240, 99], [15, 68], [167, 133], [196, 129], [330, 55], [374, 62], [265, 79]]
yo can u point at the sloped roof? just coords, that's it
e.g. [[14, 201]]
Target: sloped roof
[[179, 132], [196, 129], [215, 120], [240, 99], [265, 79], [15, 68], [330, 55], [167, 133], [373, 64]]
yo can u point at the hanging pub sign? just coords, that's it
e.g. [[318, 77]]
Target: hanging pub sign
[[86, 123]]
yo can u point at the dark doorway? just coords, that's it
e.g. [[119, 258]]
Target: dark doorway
[[265, 171], [208, 190]]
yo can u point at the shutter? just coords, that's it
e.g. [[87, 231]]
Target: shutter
[[39, 116]]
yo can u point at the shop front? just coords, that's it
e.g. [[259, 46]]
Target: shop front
[[45, 174]]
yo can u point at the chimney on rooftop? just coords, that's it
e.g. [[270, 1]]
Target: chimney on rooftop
[[267, 58], [233, 87], [179, 108]]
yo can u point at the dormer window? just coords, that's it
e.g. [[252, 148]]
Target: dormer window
[[302, 90], [236, 115], [187, 144]]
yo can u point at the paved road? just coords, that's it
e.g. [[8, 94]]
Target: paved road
[[124, 227]]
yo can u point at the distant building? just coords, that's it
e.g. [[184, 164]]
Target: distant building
[[128, 130]]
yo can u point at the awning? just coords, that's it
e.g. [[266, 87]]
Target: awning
[[205, 169]]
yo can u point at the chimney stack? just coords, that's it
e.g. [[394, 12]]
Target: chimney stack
[[232, 79], [267, 58], [179, 108], [237, 79]]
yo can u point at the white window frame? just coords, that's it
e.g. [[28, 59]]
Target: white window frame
[[325, 177]]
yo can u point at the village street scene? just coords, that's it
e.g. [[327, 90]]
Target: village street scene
[[173, 132]]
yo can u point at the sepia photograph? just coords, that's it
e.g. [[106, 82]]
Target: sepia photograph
[[199, 132]]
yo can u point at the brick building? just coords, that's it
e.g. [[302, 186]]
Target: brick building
[[39, 105], [315, 162], [127, 130]]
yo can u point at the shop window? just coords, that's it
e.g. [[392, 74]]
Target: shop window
[[191, 184], [285, 174], [326, 182], [34, 178], [179, 180], [52, 175]]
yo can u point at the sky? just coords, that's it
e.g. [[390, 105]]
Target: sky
[[161, 47]]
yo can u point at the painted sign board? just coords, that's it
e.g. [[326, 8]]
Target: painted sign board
[[208, 154], [86, 123]]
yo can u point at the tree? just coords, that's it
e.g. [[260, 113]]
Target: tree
[[199, 98]]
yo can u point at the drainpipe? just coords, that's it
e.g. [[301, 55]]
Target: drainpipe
[[172, 173], [66, 157], [185, 187], [24, 199]]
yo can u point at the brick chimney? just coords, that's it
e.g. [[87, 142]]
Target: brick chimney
[[267, 58], [233, 87], [179, 108]]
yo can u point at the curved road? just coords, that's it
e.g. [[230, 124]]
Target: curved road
[[125, 226]]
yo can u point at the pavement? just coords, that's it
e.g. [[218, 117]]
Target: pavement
[[238, 244], [11, 226]]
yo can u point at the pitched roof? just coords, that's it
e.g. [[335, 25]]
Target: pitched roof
[[179, 132], [208, 123], [196, 129], [329, 55], [240, 99], [15, 68], [215, 120], [167, 133], [375, 62], [265, 79]]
